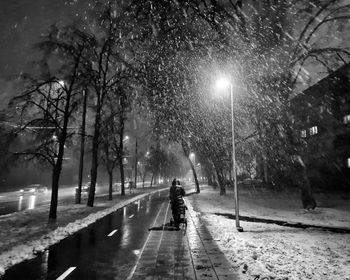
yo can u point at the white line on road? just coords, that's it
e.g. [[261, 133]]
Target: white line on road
[[68, 271], [113, 232], [131, 216]]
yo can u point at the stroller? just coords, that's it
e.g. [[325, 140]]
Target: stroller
[[178, 207]]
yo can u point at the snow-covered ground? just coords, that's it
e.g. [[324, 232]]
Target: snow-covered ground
[[268, 251], [22, 234], [262, 251]]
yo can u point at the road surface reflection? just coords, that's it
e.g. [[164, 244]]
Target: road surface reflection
[[26, 202], [107, 249]]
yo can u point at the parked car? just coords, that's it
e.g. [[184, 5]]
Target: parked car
[[42, 189], [85, 188], [34, 189], [127, 185]]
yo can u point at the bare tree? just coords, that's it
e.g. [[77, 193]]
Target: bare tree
[[111, 56], [50, 101]]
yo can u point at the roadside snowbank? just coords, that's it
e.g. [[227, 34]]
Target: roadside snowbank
[[267, 251]]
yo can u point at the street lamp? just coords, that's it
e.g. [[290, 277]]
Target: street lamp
[[192, 155], [224, 84]]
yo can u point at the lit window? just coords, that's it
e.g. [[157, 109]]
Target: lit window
[[303, 133], [347, 119], [348, 162], [313, 130]]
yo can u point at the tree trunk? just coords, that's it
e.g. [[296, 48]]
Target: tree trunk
[[58, 164], [221, 183], [186, 149], [54, 193], [152, 180], [265, 178], [120, 159], [122, 178], [82, 151], [194, 176], [135, 163], [143, 179], [56, 173], [307, 197], [95, 145], [110, 174], [93, 175]]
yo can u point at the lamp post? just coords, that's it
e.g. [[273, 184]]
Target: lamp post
[[224, 83]]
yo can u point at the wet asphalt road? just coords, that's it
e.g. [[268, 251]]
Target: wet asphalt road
[[11, 202], [107, 249]]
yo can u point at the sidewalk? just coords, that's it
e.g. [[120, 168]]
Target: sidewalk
[[190, 254]]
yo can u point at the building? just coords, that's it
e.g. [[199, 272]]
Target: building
[[322, 117]]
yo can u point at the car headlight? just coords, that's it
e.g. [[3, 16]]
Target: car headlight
[[32, 190]]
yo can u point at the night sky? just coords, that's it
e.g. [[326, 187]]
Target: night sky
[[21, 24]]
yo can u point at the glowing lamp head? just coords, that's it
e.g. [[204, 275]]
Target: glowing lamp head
[[222, 84]]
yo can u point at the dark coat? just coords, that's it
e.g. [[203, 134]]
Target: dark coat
[[177, 203]]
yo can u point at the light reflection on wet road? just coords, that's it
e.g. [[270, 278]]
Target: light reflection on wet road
[[95, 254], [14, 202], [20, 203]]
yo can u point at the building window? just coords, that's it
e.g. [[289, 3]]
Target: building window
[[303, 133], [313, 130], [347, 119]]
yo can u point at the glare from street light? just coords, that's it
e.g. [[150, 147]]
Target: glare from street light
[[223, 83]]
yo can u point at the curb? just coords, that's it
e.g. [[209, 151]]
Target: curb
[[284, 223]]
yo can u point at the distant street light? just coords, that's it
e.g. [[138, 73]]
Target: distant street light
[[221, 85], [192, 155], [62, 83]]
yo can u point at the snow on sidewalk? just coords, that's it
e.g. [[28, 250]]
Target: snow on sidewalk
[[268, 251]]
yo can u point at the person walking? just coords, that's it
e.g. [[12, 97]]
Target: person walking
[[177, 203]]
